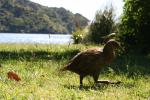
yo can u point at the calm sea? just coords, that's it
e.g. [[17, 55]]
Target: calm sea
[[35, 38]]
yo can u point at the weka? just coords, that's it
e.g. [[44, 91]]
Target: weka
[[91, 61]]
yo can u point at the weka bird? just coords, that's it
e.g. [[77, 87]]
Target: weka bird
[[91, 61]]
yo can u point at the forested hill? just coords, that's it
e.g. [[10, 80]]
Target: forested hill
[[27, 17]]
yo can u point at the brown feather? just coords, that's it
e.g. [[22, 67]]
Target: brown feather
[[91, 61]]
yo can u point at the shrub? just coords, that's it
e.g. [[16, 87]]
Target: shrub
[[102, 25], [135, 25], [81, 35], [77, 36]]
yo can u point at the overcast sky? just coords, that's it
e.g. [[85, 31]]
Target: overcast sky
[[87, 8]]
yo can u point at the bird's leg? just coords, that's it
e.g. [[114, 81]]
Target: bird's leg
[[81, 79], [99, 81], [108, 82], [104, 81], [95, 77]]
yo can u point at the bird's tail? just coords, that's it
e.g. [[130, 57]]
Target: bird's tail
[[62, 70]]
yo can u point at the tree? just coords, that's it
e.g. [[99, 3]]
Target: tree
[[135, 25], [102, 25]]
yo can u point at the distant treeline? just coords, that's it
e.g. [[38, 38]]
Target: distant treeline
[[27, 17]]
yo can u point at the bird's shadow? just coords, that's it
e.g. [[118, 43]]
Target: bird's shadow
[[100, 86], [95, 87], [85, 88]]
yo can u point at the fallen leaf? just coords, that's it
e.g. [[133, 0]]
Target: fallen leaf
[[13, 76]]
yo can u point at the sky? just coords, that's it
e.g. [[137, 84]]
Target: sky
[[87, 8]]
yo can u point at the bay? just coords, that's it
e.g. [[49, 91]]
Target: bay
[[35, 38]]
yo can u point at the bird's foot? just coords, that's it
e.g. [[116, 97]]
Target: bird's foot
[[81, 87], [108, 82]]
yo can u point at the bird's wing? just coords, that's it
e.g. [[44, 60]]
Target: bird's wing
[[88, 54], [86, 59]]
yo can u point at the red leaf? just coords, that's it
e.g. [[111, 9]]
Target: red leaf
[[13, 76]]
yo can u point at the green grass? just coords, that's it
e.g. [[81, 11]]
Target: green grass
[[38, 66]]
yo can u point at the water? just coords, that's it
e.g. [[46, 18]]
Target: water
[[35, 38]]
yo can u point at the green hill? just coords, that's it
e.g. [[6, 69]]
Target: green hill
[[27, 17]]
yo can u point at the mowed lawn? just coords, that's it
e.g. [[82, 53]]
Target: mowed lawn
[[38, 66]]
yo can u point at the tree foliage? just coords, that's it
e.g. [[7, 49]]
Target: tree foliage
[[135, 25], [102, 25]]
